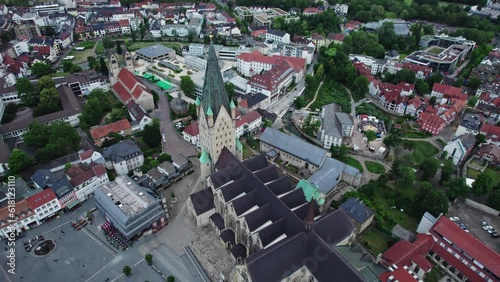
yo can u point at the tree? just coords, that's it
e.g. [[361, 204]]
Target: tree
[[339, 152], [164, 158], [117, 114], [127, 270], [431, 200], [64, 136], [370, 136], [50, 31], [92, 113], [483, 184], [459, 82], [360, 87], [229, 90], [40, 69], [405, 75], [320, 71], [104, 67], [19, 160], [392, 140], [447, 170], [474, 82], [45, 82], [432, 100], [149, 259], [300, 102], [480, 139], [37, 136], [156, 97], [422, 87], [429, 167], [456, 188], [494, 199], [27, 92], [118, 47], [428, 29], [49, 99], [107, 43], [142, 31], [472, 101], [187, 86], [436, 77], [67, 65], [151, 134], [405, 176], [133, 35], [192, 110], [171, 278], [75, 69]]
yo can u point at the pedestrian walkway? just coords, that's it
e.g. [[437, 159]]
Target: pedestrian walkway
[[315, 95]]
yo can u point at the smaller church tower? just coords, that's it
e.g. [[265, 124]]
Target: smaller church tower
[[129, 62], [114, 67], [309, 219]]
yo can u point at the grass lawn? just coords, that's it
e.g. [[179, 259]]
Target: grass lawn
[[435, 50], [423, 150], [374, 240], [59, 74], [332, 92], [435, 275], [138, 45], [112, 99], [472, 173], [416, 134], [374, 167], [87, 44], [247, 153], [99, 49], [81, 56], [354, 163]]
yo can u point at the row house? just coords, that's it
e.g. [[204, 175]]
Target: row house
[[431, 123], [206, 7], [376, 65], [490, 153], [249, 64], [60, 185], [29, 212], [446, 91], [272, 83], [101, 133], [312, 11], [86, 178], [123, 157], [125, 15], [421, 72], [54, 49], [491, 132]]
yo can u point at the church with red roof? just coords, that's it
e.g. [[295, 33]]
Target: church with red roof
[[129, 88]]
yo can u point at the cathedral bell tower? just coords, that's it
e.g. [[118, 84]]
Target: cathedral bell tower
[[216, 118]]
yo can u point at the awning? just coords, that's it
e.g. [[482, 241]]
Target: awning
[[72, 204]]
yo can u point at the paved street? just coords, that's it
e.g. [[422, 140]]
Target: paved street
[[175, 143]]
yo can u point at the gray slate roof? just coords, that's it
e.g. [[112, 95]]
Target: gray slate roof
[[46, 178], [471, 121], [119, 152], [154, 51], [356, 210], [294, 146], [468, 140], [330, 173], [332, 120]]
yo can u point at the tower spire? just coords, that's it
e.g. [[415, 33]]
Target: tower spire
[[214, 93]]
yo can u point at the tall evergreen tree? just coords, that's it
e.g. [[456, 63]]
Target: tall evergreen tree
[[104, 67]]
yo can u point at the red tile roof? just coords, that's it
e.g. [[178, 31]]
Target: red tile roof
[[256, 56], [416, 68], [42, 49], [467, 243], [21, 207], [122, 92], [192, 129], [403, 251], [123, 23], [449, 91], [491, 131], [273, 77], [496, 102], [138, 91], [422, 262], [103, 131], [80, 173], [128, 79], [86, 154], [399, 274], [248, 118], [8, 60], [41, 198]]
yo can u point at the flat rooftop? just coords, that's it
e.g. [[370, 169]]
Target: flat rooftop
[[127, 195], [154, 51]]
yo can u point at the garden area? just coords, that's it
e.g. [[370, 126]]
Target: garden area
[[81, 56], [374, 240], [374, 167], [423, 150], [332, 92], [417, 134], [494, 173], [353, 162], [372, 110]]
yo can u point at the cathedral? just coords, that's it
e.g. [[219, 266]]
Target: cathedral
[[216, 118]]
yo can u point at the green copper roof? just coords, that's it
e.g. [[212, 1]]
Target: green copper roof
[[214, 93], [232, 105], [311, 191], [239, 146], [198, 101], [209, 112], [205, 157]]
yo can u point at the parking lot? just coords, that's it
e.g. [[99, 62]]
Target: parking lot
[[472, 219]]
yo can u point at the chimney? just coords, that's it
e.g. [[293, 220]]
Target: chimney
[[309, 219]]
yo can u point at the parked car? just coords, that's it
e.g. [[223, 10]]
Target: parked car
[[487, 227], [484, 223], [491, 231], [495, 235], [454, 218]]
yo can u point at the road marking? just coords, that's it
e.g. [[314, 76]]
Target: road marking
[[130, 268], [3, 271], [104, 247], [99, 271]]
